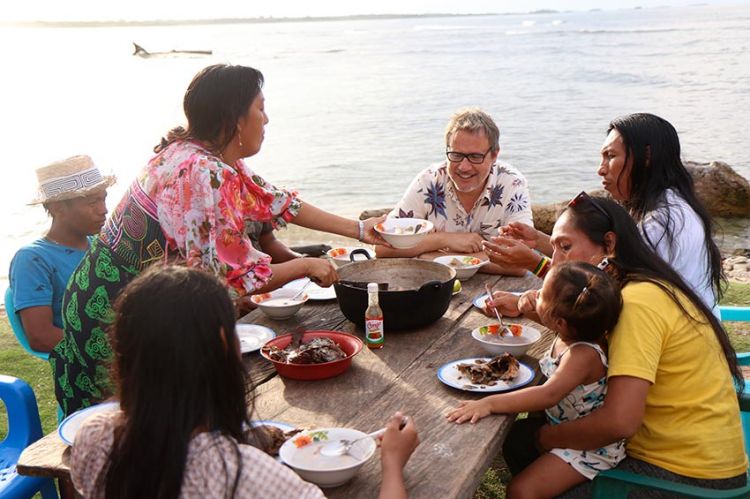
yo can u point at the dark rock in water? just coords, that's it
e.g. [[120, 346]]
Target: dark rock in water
[[723, 191]]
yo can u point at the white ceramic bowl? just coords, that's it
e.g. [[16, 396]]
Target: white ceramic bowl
[[278, 304], [397, 231], [340, 255], [514, 345], [466, 266], [322, 470]]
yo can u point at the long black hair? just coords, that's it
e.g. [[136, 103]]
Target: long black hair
[[178, 372], [654, 147], [215, 100], [635, 261]]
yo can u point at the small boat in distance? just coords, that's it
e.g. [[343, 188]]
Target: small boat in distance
[[141, 52]]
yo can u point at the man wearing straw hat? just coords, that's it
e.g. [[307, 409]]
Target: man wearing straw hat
[[73, 192]]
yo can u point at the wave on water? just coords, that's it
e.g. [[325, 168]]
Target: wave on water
[[628, 31], [527, 24]]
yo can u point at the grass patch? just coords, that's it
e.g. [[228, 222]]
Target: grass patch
[[16, 362]]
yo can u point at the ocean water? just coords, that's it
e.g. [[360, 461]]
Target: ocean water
[[358, 107]]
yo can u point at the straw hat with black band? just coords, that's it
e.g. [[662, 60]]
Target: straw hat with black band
[[70, 178]]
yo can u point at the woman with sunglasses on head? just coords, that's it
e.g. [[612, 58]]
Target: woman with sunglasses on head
[[641, 168], [181, 429], [189, 204], [670, 361]]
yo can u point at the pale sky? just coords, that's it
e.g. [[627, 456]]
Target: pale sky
[[70, 10]]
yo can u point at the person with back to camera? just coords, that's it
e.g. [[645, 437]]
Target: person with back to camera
[[183, 390], [189, 204], [581, 303], [669, 360], [641, 168], [73, 192], [468, 197]]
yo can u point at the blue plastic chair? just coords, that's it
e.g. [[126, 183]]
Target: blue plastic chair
[[24, 428], [15, 323], [741, 314]]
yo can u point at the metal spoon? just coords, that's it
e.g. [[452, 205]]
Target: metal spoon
[[503, 328], [342, 447]]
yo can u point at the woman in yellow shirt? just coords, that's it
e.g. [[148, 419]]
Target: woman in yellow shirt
[[672, 371]]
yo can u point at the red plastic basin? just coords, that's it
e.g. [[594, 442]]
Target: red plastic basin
[[350, 344]]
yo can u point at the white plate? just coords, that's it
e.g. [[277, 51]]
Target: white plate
[[70, 425], [479, 300], [278, 424], [314, 292], [253, 336], [449, 375]]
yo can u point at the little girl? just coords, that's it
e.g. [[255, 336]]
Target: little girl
[[582, 304], [183, 396]]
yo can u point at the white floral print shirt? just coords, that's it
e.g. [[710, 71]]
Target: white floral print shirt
[[432, 196]]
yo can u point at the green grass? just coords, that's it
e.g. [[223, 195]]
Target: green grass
[[16, 362]]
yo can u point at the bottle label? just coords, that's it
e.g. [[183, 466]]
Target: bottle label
[[374, 331]]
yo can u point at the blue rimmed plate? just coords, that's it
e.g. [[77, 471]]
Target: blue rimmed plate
[[70, 425], [451, 376]]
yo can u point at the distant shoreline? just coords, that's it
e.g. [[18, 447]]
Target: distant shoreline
[[253, 20]]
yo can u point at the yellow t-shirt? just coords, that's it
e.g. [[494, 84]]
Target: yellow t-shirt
[[692, 423]]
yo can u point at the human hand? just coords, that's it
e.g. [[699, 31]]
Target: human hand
[[506, 303], [462, 242], [470, 410], [397, 445], [371, 235], [511, 253], [243, 306], [321, 271], [519, 231], [527, 301]]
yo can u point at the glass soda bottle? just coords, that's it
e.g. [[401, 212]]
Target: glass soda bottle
[[374, 336]]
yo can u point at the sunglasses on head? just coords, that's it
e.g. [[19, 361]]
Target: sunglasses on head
[[583, 197]]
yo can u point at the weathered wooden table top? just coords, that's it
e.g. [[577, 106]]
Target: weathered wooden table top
[[450, 460]]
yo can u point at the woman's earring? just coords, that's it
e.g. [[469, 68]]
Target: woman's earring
[[239, 136]]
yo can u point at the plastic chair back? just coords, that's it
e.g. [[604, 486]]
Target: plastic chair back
[[17, 326], [741, 314], [24, 428]]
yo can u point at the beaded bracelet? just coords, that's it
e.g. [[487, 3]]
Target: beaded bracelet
[[542, 267], [361, 225]]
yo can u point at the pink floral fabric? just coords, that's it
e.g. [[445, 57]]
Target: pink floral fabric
[[202, 206]]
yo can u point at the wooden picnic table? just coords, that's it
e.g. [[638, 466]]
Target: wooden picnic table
[[450, 460]]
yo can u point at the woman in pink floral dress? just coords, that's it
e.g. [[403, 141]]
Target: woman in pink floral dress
[[189, 205]]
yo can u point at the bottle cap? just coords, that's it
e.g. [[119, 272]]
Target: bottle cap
[[372, 287]]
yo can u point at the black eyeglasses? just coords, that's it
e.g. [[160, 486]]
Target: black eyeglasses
[[473, 157], [584, 197]]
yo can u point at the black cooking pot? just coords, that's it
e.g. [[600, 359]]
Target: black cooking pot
[[413, 293]]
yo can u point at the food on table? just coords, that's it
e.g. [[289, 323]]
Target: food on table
[[409, 229], [317, 351], [493, 333], [456, 286], [338, 252], [488, 372], [269, 438], [466, 261], [280, 302]]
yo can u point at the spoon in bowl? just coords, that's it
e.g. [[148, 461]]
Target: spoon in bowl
[[504, 331], [342, 447]]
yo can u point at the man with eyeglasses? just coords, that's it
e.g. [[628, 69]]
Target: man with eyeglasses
[[469, 196]]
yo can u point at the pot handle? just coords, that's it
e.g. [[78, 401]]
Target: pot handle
[[430, 286], [359, 251]]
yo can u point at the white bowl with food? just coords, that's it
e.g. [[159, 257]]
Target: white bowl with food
[[404, 232], [303, 454], [280, 303], [516, 343], [466, 265], [342, 255]]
